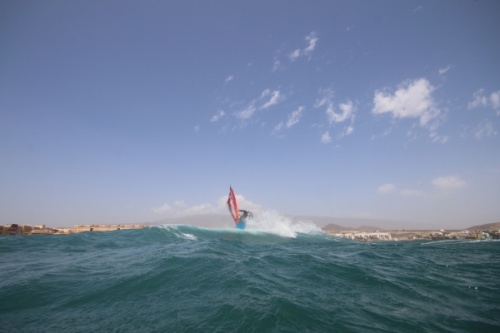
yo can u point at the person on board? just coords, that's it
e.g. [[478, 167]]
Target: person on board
[[244, 216]]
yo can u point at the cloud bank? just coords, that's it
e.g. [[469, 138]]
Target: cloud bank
[[180, 208]]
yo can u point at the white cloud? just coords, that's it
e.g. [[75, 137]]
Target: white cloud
[[349, 130], [345, 132], [411, 100], [327, 96], [330, 113], [484, 129], [448, 183], [180, 208], [480, 100], [162, 209], [247, 112], [266, 99], [274, 98], [276, 65], [294, 117], [311, 40], [326, 138], [386, 188], [279, 127], [243, 203], [197, 128], [230, 78], [216, 117], [444, 70], [347, 110], [199, 210], [437, 138], [495, 101], [294, 55]]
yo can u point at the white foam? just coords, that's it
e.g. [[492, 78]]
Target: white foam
[[174, 228], [276, 223], [189, 236]]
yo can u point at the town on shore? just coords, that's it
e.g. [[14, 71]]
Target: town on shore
[[485, 231], [41, 229], [402, 235]]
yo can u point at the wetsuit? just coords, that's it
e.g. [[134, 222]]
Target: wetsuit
[[242, 222]]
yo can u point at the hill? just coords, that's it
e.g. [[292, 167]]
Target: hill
[[335, 227], [338, 228], [349, 223], [488, 226]]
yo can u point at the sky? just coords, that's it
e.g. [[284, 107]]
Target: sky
[[136, 111]]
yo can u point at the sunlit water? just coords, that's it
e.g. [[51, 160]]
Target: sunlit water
[[274, 276]]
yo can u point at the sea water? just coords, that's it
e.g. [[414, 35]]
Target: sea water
[[276, 276]]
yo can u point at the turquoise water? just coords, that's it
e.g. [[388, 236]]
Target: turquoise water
[[189, 279]]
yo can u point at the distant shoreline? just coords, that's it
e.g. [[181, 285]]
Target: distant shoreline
[[410, 235], [484, 231], [15, 229], [487, 231]]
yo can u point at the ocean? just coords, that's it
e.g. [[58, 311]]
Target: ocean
[[272, 277]]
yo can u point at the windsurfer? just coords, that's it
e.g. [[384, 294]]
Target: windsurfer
[[244, 216], [232, 205]]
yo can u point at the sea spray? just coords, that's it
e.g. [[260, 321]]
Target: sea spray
[[276, 223], [176, 230]]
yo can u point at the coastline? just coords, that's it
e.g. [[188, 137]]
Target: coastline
[[491, 231], [410, 235], [26, 229]]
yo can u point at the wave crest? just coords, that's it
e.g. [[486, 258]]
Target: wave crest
[[276, 223]]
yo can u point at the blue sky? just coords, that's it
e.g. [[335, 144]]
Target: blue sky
[[133, 111]]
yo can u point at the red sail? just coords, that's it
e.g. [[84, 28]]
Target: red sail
[[232, 204]]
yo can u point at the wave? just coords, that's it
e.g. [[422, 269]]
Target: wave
[[267, 224], [183, 278], [274, 222]]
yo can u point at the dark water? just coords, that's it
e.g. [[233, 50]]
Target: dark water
[[187, 279]]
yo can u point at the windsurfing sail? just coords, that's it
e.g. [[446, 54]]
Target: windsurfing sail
[[232, 204]]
